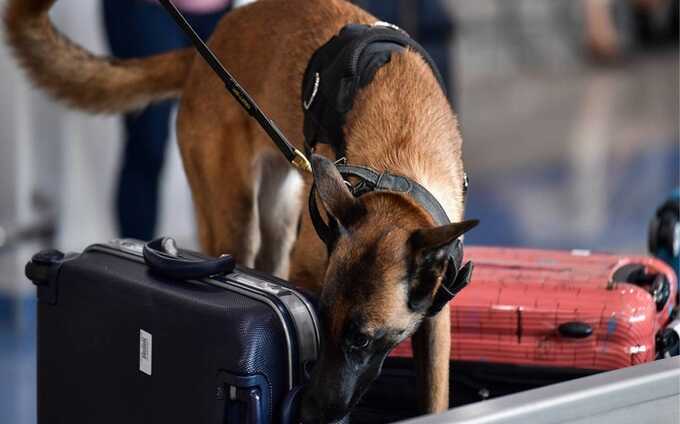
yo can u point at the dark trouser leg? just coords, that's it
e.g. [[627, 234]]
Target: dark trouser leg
[[428, 22], [138, 187], [137, 28]]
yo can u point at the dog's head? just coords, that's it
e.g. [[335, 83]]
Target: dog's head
[[385, 264]]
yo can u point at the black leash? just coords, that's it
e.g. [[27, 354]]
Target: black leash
[[293, 155]]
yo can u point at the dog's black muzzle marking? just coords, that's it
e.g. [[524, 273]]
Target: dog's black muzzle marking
[[349, 377]]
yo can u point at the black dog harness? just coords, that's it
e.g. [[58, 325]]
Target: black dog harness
[[334, 75]]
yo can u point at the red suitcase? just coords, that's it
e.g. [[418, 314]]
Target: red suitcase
[[531, 318], [576, 310]]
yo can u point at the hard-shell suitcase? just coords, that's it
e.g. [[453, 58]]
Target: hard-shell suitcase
[[530, 318], [578, 310], [120, 341]]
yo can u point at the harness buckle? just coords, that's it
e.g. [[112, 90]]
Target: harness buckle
[[384, 24], [455, 281]]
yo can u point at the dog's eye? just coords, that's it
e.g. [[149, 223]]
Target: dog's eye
[[360, 341]]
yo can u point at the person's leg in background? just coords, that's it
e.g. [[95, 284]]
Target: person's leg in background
[[436, 32], [428, 22], [137, 28]]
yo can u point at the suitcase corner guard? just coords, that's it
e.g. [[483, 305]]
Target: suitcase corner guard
[[43, 270]]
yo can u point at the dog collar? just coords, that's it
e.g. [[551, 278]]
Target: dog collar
[[456, 276], [334, 75]]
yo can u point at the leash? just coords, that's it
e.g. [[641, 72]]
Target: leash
[[293, 155]]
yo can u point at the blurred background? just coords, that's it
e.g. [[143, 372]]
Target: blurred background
[[568, 108]]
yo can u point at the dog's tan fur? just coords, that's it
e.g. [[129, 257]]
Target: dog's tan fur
[[248, 200]]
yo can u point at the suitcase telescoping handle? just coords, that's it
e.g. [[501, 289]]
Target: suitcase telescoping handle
[[163, 257]]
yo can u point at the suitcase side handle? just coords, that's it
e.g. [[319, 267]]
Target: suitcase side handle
[[163, 257], [575, 330]]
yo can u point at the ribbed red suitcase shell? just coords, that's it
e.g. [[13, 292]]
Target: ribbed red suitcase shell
[[511, 311]]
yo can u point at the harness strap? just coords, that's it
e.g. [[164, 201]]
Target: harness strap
[[323, 230], [397, 184]]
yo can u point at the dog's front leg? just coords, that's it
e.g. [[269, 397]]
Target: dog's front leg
[[431, 351]]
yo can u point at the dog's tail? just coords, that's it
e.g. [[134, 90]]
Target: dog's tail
[[81, 79]]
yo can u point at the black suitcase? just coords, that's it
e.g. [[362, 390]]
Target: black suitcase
[[120, 341]]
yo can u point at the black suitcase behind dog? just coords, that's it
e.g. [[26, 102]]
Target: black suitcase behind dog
[[120, 342]]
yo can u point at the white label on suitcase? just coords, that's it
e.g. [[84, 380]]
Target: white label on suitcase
[[144, 352]]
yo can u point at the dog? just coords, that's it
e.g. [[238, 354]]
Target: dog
[[388, 259]]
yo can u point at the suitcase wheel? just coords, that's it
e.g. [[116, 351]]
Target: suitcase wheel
[[664, 231], [656, 284], [667, 343]]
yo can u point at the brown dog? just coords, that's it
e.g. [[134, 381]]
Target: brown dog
[[389, 256]]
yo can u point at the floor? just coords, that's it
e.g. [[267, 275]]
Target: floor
[[17, 376], [559, 159], [572, 159]]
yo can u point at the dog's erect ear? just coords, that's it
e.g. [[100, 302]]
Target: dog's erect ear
[[430, 239], [333, 191], [430, 248]]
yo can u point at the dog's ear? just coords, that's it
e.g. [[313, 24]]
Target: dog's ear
[[333, 191], [430, 239], [430, 250]]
